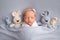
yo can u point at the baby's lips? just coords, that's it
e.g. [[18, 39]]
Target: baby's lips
[[30, 23]]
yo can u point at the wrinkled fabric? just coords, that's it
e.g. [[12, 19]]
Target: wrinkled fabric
[[30, 33], [23, 33], [8, 33], [26, 25]]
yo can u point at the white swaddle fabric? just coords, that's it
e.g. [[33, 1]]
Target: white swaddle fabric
[[33, 32], [26, 25], [26, 32]]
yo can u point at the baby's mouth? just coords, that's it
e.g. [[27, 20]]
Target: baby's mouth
[[30, 23]]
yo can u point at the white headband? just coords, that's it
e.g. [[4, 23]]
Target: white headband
[[34, 10]]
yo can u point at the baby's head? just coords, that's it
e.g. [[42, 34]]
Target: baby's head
[[29, 16]]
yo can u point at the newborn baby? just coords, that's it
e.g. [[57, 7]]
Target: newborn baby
[[29, 17], [30, 29]]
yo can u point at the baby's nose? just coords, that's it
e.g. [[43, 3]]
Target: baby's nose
[[29, 18]]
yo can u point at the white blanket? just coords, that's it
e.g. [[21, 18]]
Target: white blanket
[[33, 32], [33, 25], [27, 33]]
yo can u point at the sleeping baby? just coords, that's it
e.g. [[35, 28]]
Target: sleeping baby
[[29, 17], [30, 28]]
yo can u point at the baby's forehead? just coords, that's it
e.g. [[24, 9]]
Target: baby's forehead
[[27, 12]]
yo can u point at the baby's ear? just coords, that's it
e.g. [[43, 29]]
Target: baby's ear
[[14, 13], [19, 12]]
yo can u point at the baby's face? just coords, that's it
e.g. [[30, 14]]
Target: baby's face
[[29, 17]]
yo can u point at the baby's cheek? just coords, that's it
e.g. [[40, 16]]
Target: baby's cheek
[[26, 20], [33, 19]]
